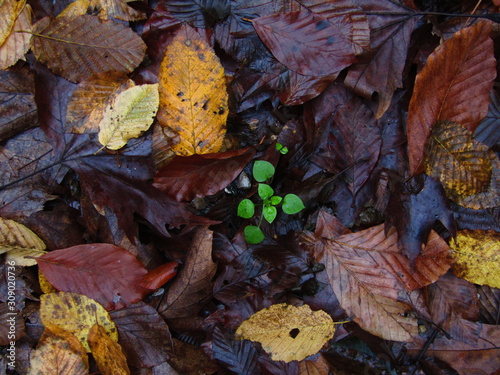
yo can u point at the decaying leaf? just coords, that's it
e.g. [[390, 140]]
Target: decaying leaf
[[288, 333], [18, 42], [107, 352], [193, 97], [75, 9], [9, 11], [454, 85], [20, 243], [76, 48], [59, 352], [118, 9], [75, 313], [477, 257], [128, 115]]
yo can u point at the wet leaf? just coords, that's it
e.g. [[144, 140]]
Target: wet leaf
[[240, 356], [104, 272], [154, 279], [20, 243], [79, 47], [193, 97], [9, 11], [199, 13], [17, 43], [117, 9], [288, 333], [457, 77], [75, 313], [107, 352], [477, 257]]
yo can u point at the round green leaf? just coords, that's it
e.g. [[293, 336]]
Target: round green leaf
[[276, 200], [262, 170], [246, 209], [292, 204], [269, 213], [253, 234], [265, 191]]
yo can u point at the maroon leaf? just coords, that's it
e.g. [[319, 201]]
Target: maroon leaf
[[186, 177], [104, 272], [305, 42]]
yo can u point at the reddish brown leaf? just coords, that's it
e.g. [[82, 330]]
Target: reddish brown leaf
[[154, 279], [305, 42], [200, 175], [104, 272], [454, 85]]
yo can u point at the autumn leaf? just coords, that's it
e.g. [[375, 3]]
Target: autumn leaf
[[199, 13], [154, 279], [59, 352], [240, 356], [193, 97], [129, 114], [454, 85], [79, 47], [18, 42], [116, 9], [288, 333], [477, 257], [20, 243], [9, 11], [75, 313], [107, 352]]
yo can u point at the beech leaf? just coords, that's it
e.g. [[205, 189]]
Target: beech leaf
[[288, 333], [20, 243], [193, 97], [107, 352], [17, 43], [9, 11]]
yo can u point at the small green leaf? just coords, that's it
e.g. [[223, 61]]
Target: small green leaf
[[276, 200], [292, 204], [269, 213], [253, 234], [262, 170], [246, 209], [284, 150], [265, 191], [281, 148]]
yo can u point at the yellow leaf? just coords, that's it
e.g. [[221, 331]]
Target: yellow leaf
[[20, 243], [193, 97], [131, 113], [118, 9], [45, 286], [75, 9], [9, 11], [477, 255], [288, 333], [107, 352], [59, 352], [17, 43], [75, 313]]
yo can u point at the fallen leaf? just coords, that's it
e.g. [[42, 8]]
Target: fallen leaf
[[457, 77], [241, 357], [488, 131], [17, 43], [75, 313], [193, 284], [193, 97], [477, 258], [59, 352], [117, 9], [76, 48], [202, 13], [75, 9], [288, 333], [104, 272], [154, 279], [107, 352], [129, 114], [12, 326], [9, 11], [20, 243]]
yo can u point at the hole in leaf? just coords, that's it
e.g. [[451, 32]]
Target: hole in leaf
[[294, 333]]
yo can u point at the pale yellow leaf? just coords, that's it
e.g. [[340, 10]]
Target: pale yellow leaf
[[193, 96], [131, 113], [9, 11], [107, 352], [75, 313], [20, 243], [75, 9], [477, 257], [288, 333], [17, 43]]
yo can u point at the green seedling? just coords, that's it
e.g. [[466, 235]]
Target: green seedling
[[291, 204]]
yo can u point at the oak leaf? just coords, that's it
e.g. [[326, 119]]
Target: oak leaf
[[129, 114], [107, 353], [75, 313], [288, 333], [18, 42], [193, 97], [454, 85], [20, 243]]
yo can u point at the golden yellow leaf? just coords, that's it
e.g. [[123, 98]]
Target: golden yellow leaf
[[462, 164], [477, 255], [129, 114], [59, 352], [193, 97], [20, 243], [17, 43], [288, 333], [75, 9], [107, 352], [45, 286], [9, 11], [75, 313]]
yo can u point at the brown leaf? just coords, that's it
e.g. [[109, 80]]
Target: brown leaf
[[454, 85], [18, 42], [193, 284], [12, 327], [76, 48], [9, 11], [107, 353], [104, 272]]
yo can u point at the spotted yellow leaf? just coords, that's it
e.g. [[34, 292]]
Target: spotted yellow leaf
[[288, 333], [108, 353]]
